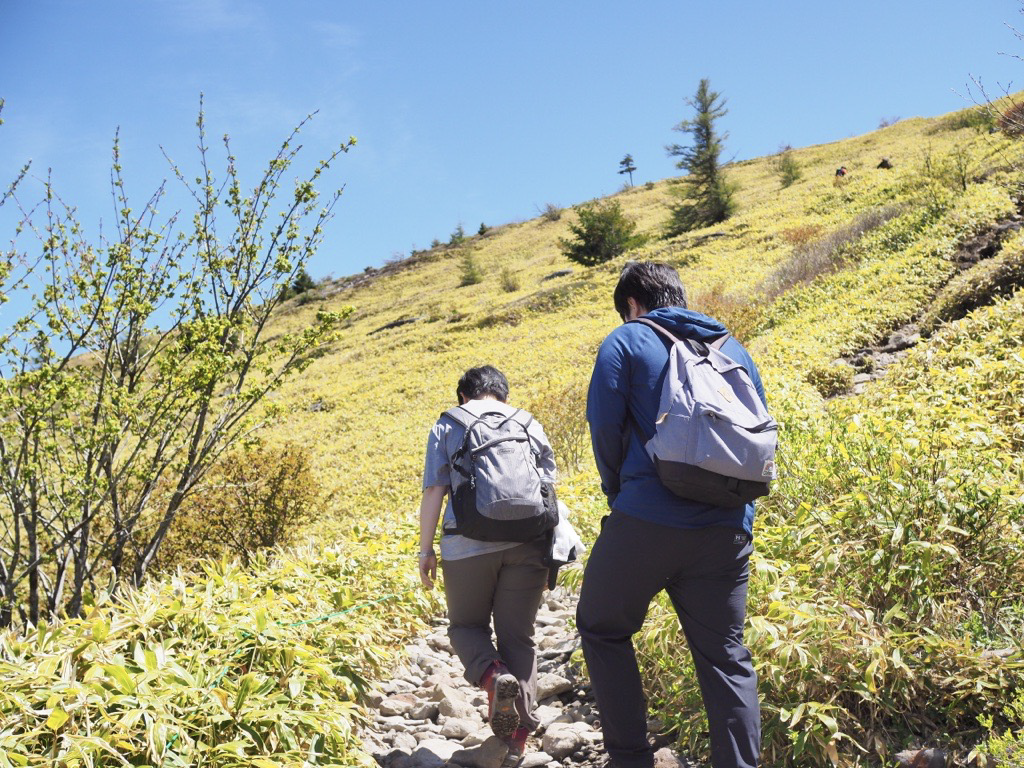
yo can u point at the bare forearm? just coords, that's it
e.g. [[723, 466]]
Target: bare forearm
[[430, 513]]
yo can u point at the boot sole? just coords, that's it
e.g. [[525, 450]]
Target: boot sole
[[503, 716]]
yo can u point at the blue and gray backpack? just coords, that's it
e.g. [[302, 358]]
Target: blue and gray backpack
[[500, 494], [714, 440]]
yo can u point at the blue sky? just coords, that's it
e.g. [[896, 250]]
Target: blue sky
[[466, 112]]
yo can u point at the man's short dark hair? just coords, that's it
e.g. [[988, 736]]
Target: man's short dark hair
[[482, 381], [651, 284]]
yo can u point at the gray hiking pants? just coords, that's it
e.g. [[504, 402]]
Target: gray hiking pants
[[509, 585], [705, 573]]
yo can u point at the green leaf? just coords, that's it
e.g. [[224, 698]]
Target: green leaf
[[57, 719]]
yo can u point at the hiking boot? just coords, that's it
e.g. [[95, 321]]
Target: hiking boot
[[502, 691], [516, 749]]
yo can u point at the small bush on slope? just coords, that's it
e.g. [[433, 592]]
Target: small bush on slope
[[602, 233], [256, 498]]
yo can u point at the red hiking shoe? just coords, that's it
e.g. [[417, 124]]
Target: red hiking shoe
[[502, 689], [516, 749]]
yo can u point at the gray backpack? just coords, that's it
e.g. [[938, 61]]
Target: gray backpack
[[714, 440], [501, 496]]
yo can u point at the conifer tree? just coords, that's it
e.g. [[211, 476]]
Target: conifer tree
[[626, 166], [706, 197], [603, 233]]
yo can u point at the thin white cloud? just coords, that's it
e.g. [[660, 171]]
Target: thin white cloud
[[336, 35], [216, 15]]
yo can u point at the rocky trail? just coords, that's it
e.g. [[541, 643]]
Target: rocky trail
[[428, 716]]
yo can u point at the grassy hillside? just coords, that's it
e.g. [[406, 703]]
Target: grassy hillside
[[888, 557]]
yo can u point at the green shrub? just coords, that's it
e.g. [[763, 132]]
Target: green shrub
[[300, 285], [602, 233], [551, 212], [256, 498], [470, 272], [1011, 120], [458, 237], [831, 379], [561, 410], [952, 170], [787, 168], [737, 313], [1004, 748], [510, 282]]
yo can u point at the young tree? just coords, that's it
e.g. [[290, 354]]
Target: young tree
[[458, 237], [706, 197], [626, 166], [602, 233], [470, 272], [786, 167], [303, 282], [139, 361]]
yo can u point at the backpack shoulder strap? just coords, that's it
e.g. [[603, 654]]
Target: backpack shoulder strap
[[466, 420], [716, 344], [662, 330], [459, 415], [720, 341]]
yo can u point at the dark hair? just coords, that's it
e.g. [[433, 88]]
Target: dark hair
[[485, 380], [651, 284]]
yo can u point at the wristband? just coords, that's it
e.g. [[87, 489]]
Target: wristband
[[426, 554]]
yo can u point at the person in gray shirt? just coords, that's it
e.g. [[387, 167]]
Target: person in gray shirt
[[487, 579]]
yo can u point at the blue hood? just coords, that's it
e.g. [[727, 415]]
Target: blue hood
[[685, 323]]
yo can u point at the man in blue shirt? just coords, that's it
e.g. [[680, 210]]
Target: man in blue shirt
[[654, 540]]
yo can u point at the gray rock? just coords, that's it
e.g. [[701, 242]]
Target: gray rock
[[424, 710], [478, 736], [405, 742], [440, 642], [396, 686], [546, 714], [446, 691], [441, 678], [903, 340], [434, 753], [922, 758], [391, 721], [489, 754], [666, 758], [550, 684], [561, 740], [399, 704], [559, 273], [457, 729], [398, 759], [457, 708], [535, 760]]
